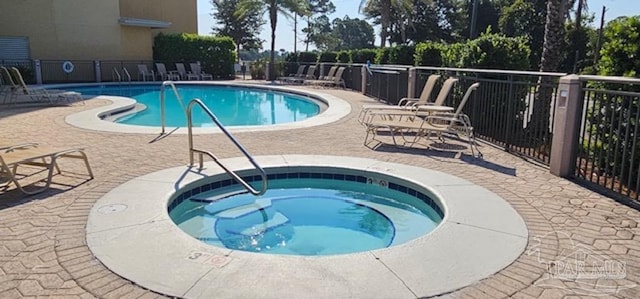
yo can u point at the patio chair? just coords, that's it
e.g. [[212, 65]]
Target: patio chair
[[323, 79], [50, 96], [411, 106], [335, 80], [10, 88], [298, 74], [423, 125], [309, 75], [144, 73], [184, 75], [38, 156], [195, 69], [164, 75]]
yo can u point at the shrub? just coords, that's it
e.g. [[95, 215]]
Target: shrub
[[307, 57], [344, 57], [216, 54], [495, 51], [429, 54], [363, 55], [402, 54], [328, 57], [382, 57]]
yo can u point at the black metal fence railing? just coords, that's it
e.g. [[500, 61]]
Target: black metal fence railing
[[510, 109], [608, 147], [53, 71], [388, 84]]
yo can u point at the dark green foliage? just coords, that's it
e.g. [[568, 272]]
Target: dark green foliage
[[363, 55], [455, 55], [612, 120], [306, 57], [344, 57], [352, 34], [258, 69], [494, 51], [402, 54], [429, 54], [382, 57], [216, 54], [328, 57]]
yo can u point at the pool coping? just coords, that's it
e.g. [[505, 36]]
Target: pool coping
[[130, 232], [91, 119]]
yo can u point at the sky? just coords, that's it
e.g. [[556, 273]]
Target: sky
[[284, 30]]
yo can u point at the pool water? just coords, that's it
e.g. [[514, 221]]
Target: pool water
[[306, 217], [234, 106]]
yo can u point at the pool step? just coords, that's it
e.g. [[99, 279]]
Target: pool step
[[277, 220], [259, 204]]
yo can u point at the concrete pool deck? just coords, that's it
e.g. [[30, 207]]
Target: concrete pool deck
[[44, 252]]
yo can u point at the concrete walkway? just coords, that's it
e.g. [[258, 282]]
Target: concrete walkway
[[581, 243]]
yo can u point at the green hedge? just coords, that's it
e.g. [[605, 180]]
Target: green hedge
[[402, 54], [328, 57], [363, 55], [344, 57], [307, 57], [429, 54], [216, 54], [382, 57]]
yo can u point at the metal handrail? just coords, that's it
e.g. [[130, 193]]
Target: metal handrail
[[126, 72], [235, 176], [117, 75], [175, 91]]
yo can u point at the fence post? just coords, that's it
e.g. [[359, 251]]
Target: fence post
[[411, 85], [364, 73], [37, 67], [562, 159], [96, 68]]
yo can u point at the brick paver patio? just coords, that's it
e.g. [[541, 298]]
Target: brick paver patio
[[43, 250]]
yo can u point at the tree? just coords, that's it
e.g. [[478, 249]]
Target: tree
[[243, 29], [316, 31], [272, 7], [552, 55], [383, 8], [320, 34], [526, 18], [429, 20], [352, 34]]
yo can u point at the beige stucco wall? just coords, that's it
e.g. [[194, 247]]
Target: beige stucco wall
[[183, 14], [89, 29]]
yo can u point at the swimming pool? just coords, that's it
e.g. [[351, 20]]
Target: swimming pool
[[307, 213], [233, 105]]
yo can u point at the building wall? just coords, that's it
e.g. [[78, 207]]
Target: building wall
[[89, 29]]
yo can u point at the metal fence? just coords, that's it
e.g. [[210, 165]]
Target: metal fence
[[608, 151], [388, 83]]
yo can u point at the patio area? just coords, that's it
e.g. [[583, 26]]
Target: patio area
[[580, 242]]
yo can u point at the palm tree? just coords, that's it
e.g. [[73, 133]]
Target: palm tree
[[552, 55], [383, 7], [273, 7]]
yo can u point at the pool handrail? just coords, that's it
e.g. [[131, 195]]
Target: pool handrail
[[175, 91], [126, 72], [115, 75], [201, 153]]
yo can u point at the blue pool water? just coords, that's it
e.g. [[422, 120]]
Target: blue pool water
[[234, 106], [306, 217]]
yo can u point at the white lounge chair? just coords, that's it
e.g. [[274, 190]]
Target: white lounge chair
[[195, 69], [184, 75], [422, 125], [50, 96], [324, 79], [34, 155], [298, 74], [144, 73], [411, 106], [309, 75], [164, 74]]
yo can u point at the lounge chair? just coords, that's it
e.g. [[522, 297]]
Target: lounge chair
[[164, 75], [195, 69], [144, 73], [424, 98], [33, 155], [50, 96], [298, 74], [410, 108], [422, 125], [309, 75], [183, 73], [335, 80], [323, 79], [10, 88]]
